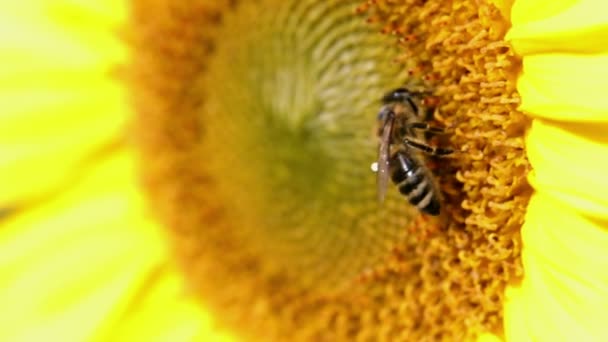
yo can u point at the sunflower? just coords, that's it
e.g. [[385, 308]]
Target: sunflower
[[205, 168]]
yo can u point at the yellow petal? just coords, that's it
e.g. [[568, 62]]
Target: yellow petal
[[567, 87], [487, 337], [87, 263], [59, 102], [91, 263], [73, 262], [570, 164], [564, 292], [545, 26], [166, 313]]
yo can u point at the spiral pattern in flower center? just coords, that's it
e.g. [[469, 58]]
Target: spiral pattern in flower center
[[290, 125]]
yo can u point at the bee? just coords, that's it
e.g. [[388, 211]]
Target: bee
[[402, 133]]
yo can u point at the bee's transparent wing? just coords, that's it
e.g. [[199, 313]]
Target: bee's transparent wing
[[383, 156]]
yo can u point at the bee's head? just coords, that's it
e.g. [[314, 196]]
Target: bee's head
[[396, 95]]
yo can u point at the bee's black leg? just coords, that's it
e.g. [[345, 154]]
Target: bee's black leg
[[434, 151], [429, 114], [423, 126], [412, 104]]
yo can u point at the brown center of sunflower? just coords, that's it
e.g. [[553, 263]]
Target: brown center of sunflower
[[256, 121]]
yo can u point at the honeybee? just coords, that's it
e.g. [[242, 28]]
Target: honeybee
[[402, 133]]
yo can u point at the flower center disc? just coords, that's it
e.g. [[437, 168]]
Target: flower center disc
[[290, 118], [256, 122]]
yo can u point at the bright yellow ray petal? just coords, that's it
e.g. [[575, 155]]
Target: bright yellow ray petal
[[487, 337], [59, 103], [60, 35], [581, 186], [91, 264], [566, 87], [564, 293], [559, 26], [561, 79], [167, 313], [72, 263], [87, 263]]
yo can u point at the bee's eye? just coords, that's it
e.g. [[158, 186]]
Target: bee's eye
[[397, 95], [391, 97]]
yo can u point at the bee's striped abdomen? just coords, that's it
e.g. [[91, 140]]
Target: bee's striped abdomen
[[412, 180]]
